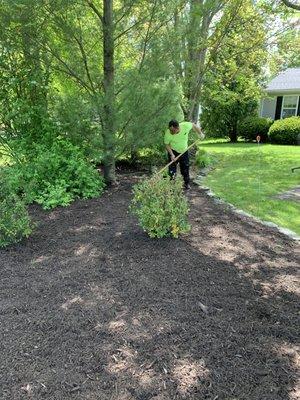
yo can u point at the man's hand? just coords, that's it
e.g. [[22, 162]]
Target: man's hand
[[169, 150]]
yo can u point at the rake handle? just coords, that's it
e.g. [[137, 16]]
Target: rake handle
[[176, 158]]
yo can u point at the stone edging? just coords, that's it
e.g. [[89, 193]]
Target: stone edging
[[198, 181]]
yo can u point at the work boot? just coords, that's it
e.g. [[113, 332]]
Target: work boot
[[187, 186]]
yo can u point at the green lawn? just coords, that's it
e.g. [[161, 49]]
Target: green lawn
[[249, 176]]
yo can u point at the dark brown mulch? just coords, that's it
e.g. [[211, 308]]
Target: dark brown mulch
[[91, 308]]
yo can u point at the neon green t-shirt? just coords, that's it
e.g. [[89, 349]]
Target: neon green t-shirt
[[179, 141]]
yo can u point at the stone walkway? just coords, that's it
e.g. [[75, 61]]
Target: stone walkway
[[293, 194]]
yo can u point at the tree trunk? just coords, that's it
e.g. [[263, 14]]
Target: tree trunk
[[194, 112], [33, 91], [109, 95], [197, 49], [233, 132], [291, 5], [233, 137]]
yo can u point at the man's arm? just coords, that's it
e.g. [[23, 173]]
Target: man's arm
[[198, 130], [170, 151]]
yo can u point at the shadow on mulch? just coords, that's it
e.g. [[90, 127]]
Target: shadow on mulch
[[91, 308]]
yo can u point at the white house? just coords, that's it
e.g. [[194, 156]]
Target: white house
[[282, 95]]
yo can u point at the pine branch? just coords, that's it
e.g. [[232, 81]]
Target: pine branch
[[95, 9]]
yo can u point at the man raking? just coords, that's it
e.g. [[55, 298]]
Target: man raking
[[176, 141]]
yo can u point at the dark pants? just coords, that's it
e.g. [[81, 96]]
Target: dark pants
[[184, 164]]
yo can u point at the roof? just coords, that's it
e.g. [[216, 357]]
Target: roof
[[286, 81]]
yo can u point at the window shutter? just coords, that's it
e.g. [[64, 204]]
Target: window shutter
[[278, 107], [298, 111]]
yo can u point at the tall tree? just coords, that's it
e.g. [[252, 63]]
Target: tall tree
[[199, 24], [109, 116], [82, 43], [231, 90], [25, 68], [203, 25], [98, 47]]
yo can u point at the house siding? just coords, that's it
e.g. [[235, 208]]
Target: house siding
[[268, 106], [271, 106]]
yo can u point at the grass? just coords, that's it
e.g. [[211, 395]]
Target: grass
[[249, 176]]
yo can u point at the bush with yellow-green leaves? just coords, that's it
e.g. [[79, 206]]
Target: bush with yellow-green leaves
[[161, 207]]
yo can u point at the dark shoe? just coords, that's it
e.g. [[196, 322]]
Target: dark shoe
[[187, 186]]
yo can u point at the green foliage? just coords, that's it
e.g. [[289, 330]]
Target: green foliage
[[286, 53], [75, 116], [5, 154], [161, 207], [146, 110], [24, 69], [225, 105], [169, 56], [285, 131], [231, 88], [203, 159], [152, 157], [14, 219], [55, 175], [252, 126]]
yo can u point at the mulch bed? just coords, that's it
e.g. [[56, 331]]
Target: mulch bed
[[91, 308]]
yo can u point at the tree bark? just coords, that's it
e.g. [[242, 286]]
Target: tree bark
[[33, 92], [233, 133], [200, 19], [291, 5], [109, 94]]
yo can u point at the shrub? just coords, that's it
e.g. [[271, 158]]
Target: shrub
[[56, 175], [14, 219], [250, 127], [285, 131], [152, 156], [203, 159], [161, 206]]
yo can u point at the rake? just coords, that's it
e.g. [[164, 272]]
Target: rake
[[175, 159], [293, 169]]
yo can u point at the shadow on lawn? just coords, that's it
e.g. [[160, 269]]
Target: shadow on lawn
[[94, 309]]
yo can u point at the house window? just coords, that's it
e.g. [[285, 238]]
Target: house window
[[289, 106]]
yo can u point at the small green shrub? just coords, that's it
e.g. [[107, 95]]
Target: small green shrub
[[203, 159], [251, 127], [152, 156], [161, 207], [55, 175], [285, 131], [54, 195], [14, 219]]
